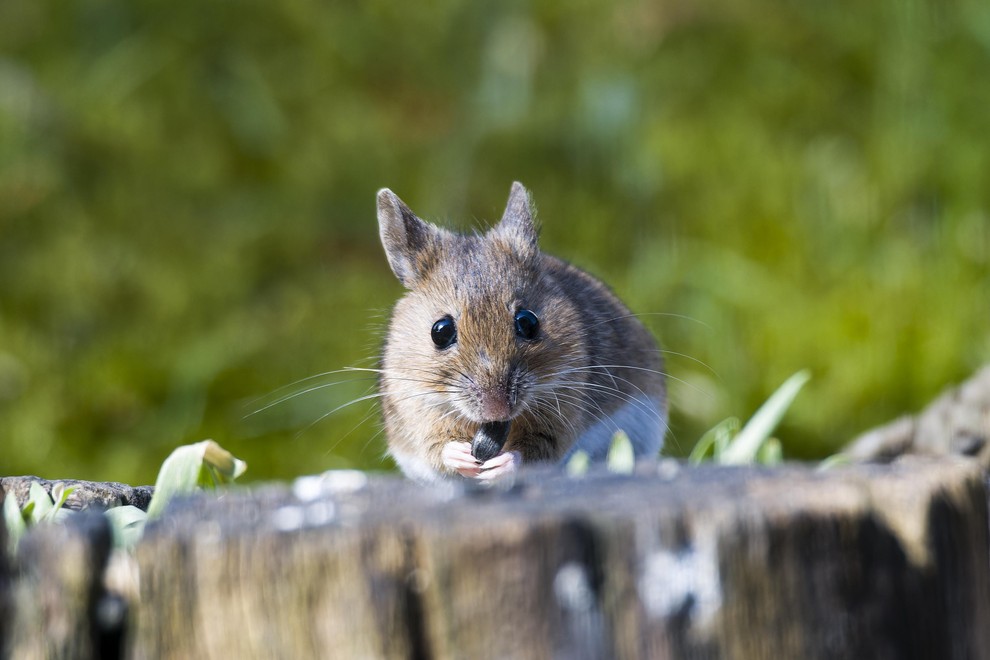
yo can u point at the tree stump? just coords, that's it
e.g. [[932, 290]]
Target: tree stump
[[957, 422], [883, 561], [56, 599], [86, 494]]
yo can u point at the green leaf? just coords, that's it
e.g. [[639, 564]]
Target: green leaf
[[834, 461], [127, 523], [43, 506], [771, 453], [747, 443], [621, 457], [60, 494], [14, 520], [27, 513], [178, 474], [183, 471], [716, 439], [577, 465]]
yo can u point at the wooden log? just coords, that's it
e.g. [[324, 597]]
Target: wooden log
[[957, 422], [86, 494], [6, 605], [869, 561], [57, 604]]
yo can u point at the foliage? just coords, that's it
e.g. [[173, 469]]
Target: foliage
[[39, 508], [621, 458], [578, 464], [725, 443], [187, 204], [202, 465], [729, 444]]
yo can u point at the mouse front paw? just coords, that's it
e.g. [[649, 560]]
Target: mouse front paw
[[504, 465], [457, 458]]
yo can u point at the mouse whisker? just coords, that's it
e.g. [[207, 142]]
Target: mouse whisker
[[640, 403], [683, 317], [702, 363], [319, 419], [314, 388], [628, 397], [298, 382], [363, 421], [548, 413], [606, 367], [581, 404], [307, 390], [367, 397]]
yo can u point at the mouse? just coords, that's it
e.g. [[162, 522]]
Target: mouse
[[499, 355]]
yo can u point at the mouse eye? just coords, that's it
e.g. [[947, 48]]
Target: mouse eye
[[444, 332], [527, 325]]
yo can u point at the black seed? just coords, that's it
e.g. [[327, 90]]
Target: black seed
[[489, 440]]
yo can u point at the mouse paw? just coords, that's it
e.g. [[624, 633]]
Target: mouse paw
[[457, 458], [504, 465]]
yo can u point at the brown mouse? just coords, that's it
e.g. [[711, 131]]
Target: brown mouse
[[499, 354]]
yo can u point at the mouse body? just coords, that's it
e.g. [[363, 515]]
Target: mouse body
[[499, 354]]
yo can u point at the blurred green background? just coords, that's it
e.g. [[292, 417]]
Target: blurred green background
[[187, 205]]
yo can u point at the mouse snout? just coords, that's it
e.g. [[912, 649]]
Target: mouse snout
[[495, 404], [492, 397]]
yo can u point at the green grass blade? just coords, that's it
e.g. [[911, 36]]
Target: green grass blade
[[14, 521], [702, 447], [577, 464], [714, 441], [27, 513], [621, 457], [43, 506], [746, 445], [771, 453], [60, 494], [834, 461]]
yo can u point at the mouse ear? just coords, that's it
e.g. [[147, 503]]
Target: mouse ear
[[517, 224], [408, 241]]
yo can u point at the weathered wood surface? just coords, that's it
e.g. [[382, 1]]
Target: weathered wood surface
[[871, 561], [86, 494], [957, 422], [6, 598], [863, 562], [58, 607]]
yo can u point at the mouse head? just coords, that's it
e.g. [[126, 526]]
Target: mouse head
[[481, 316], [416, 249]]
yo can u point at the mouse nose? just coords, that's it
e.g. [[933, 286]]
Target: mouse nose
[[495, 404]]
